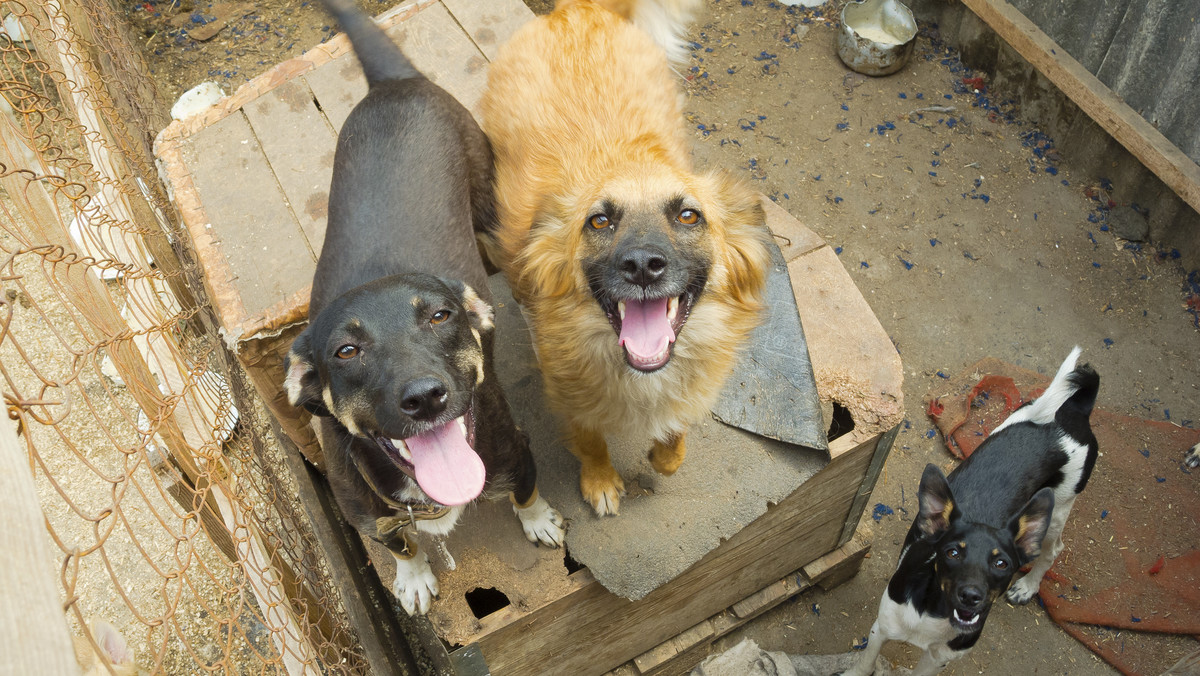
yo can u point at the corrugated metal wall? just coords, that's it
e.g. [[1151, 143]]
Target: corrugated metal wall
[[1147, 51]]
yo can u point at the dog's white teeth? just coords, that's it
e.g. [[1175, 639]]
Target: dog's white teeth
[[402, 449], [672, 308], [621, 309], [462, 425]]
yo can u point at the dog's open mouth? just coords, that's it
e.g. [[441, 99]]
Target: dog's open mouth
[[964, 619], [442, 460], [647, 328]]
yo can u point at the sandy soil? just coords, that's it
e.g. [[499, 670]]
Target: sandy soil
[[966, 230]]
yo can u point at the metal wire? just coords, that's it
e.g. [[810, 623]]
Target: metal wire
[[166, 497]]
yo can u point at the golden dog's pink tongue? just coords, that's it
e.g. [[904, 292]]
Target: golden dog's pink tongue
[[445, 465], [645, 329]]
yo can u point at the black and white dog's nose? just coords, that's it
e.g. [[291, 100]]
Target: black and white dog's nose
[[970, 597], [643, 266], [423, 398]]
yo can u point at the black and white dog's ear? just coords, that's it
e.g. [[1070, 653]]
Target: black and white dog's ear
[[302, 384], [937, 508], [1029, 526]]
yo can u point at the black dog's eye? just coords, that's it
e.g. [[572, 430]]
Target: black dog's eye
[[688, 217], [439, 317], [954, 553], [347, 351], [599, 222], [1000, 564]]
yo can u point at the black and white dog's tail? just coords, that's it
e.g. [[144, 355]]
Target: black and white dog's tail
[[381, 59], [1071, 395]]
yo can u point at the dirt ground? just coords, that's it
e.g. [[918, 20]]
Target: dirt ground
[[965, 229]]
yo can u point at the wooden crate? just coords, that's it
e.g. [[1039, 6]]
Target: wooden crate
[[257, 238]]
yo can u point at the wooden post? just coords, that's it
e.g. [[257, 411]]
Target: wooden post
[[34, 638]]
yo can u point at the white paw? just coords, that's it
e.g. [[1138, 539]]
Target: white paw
[[1192, 457], [415, 584], [1022, 590], [541, 523]]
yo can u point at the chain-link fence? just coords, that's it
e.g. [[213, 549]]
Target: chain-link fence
[[168, 504]]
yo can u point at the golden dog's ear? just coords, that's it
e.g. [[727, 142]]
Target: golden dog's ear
[[546, 265], [743, 226]]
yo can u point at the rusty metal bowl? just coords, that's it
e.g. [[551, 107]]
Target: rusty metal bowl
[[876, 37]]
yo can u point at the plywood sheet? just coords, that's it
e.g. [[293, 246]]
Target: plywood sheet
[[251, 223], [489, 23], [299, 143], [436, 45]]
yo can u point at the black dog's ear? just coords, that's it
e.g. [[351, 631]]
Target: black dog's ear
[[302, 384], [482, 317], [1029, 526], [937, 508]]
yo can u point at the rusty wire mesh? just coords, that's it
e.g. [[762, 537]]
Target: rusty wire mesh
[[166, 497]]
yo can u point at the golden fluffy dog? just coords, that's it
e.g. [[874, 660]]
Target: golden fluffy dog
[[641, 279]]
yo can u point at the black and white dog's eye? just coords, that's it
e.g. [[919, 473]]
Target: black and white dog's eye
[[439, 317], [347, 351], [1001, 564], [954, 553]]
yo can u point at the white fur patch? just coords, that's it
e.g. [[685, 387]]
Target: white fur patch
[[438, 527], [666, 22], [475, 304], [1042, 410], [541, 523], [293, 382], [415, 584], [902, 622]]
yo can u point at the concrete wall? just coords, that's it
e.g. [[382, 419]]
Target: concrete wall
[[1147, 51]]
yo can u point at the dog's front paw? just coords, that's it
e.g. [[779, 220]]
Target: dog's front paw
[[415, 584], [602, 487], [1192, 457], [541, 523], [1022, 590]]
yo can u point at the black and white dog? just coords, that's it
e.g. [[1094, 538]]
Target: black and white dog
[[990, 517], [396, 362]]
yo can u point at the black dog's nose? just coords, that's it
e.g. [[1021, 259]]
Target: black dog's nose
[[970, 597], [642, 266], [423, 398]]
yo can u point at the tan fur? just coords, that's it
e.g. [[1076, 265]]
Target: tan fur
[[579, 104]]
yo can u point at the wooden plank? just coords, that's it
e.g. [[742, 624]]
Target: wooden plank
[[591, 631], [882, 450], [298, 143], [436, 45], [1094, 98], [491, 23], [252, 226], [33, 632], [679, 654]]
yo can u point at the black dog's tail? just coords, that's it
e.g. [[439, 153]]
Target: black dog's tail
[[381, 59]]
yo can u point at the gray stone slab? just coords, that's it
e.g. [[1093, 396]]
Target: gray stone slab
[[666, 524], [772, 391]]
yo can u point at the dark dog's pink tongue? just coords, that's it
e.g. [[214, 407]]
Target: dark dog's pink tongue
[[445, 465], [645, 329]]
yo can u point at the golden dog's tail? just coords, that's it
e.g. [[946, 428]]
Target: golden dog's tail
[[665, 20]]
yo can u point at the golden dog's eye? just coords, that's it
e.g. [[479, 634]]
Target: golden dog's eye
[[347, 351], [599, 222], [689, 217], [439, 317]]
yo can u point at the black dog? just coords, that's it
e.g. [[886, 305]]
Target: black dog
[[976, 529], [396, 362]]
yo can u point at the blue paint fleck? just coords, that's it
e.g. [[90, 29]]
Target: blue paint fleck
[[1104, 514], [907, 264], [1108, 342], [881, 510], [1145, 452], [864, 264]]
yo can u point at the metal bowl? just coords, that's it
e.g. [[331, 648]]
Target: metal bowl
[[877, 36]]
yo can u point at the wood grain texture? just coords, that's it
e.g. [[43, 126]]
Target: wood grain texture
[[33, 630], [1092, 96], [591, 630]]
